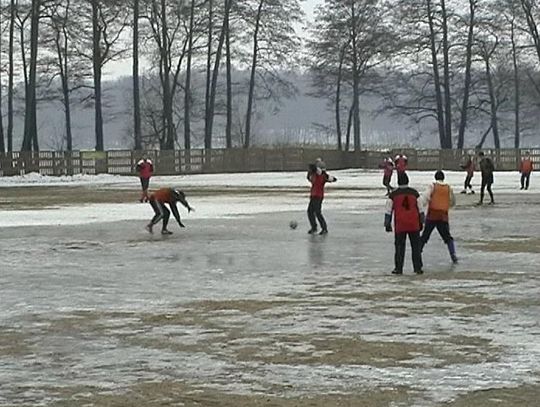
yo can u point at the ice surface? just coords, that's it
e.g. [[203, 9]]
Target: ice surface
[[239, 303]]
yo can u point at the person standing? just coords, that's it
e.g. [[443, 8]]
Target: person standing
[[318, 179], [388, 169], [404, 206], [525, 168], [158, 200], [145, 168], [486, 168], [468, 166], [439, 198]]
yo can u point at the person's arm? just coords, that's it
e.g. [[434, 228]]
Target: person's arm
[[185, 203], [426, 197], [452, 198], [176, 215], [330, 178]]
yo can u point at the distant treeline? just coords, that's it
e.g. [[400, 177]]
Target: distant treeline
[[447, 66]]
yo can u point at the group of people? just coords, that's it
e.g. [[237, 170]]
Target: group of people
[[415, 216]]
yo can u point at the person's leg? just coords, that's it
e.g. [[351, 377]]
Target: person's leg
[[320, 217], [523, 180], [158, 214], [166, 216], [142, 189], [399, 255], [444, 230], [490, 193], [311, 215], [414, 238], [145, 182], [482, 190], [527, 180], [428, 228]]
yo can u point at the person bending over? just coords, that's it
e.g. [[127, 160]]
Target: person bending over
[[158, 200]]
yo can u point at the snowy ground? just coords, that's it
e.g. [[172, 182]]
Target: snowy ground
[[239, 310]]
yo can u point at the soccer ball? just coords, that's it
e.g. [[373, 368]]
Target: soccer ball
[[293, 224]]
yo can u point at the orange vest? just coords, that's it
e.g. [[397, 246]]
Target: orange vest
[[439, 203]]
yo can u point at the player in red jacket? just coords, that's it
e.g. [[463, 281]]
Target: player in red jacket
[[318, 178], [158, 200], [525, 168], [145, 168], [403, 204]]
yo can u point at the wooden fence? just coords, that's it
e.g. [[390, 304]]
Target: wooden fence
[[123, 162]]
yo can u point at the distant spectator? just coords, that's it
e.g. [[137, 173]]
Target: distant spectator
[[145, 168], [525, 168]]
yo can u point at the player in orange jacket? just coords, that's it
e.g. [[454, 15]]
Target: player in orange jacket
[[525, 168], [438, 199], [158, 200]]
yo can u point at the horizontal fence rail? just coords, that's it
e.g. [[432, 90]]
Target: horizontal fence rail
[[167, 162]]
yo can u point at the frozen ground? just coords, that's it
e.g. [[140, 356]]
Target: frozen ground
[[239, 310]]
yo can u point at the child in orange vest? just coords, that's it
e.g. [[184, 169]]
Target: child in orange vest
[[438, 199], [525, 168]]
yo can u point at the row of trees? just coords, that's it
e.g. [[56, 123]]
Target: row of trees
[[463, 65]]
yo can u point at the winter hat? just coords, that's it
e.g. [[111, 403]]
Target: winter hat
[[439, 175]]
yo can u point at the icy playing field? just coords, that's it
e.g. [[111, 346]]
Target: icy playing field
[[239, 310]]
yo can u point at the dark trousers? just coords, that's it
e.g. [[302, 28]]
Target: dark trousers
[[525, 178], [486, 184], [161, 212], [468, 181], [399, 258], [442, 227], [314, 210], [386, 182]]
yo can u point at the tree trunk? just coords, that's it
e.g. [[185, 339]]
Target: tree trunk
[[228, 125], [30, 118], [96, 66], [493, 105], [349, 125], [516, 86], [207, 135], [13, 7], [62, 55], [467, 86], [251, 92], [338, 99], [166, 80], [436, 78], [446, 84], [187, 90], [136, 89], [356, 91], [2, 143]]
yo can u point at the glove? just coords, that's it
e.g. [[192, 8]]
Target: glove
[[388, 228]]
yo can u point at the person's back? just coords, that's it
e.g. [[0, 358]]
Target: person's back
[[486, 166], [406, 209]]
